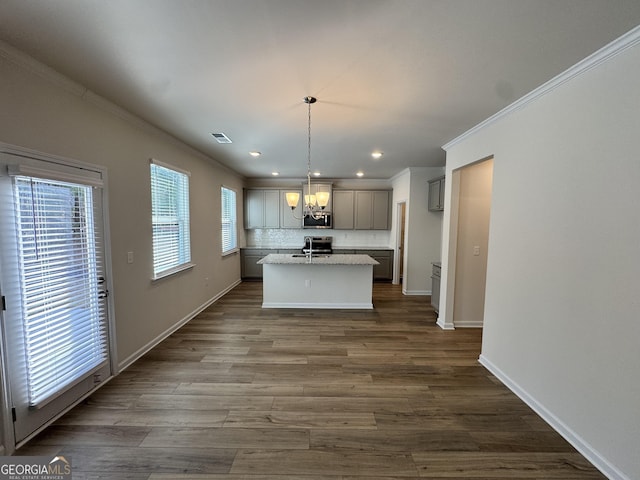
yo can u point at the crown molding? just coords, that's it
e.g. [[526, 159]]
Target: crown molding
[[628, 40]]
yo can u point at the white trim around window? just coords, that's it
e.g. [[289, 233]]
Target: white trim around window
[[229, 220], [170, 219]]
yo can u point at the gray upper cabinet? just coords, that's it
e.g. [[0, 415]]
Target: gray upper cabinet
[[288, 219], [372, 210], [436, 194], [361, 209], [261, 208], [343, 209]]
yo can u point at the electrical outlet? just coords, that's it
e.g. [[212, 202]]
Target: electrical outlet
[[476, 250], [129, 257], [307, 283]]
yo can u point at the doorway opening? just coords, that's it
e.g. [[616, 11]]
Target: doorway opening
[[469, 242], [398, 269]]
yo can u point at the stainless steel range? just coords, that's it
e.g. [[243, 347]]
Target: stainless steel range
[[317, 245]]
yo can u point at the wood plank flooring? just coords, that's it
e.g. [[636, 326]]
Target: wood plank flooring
[[241, 393]]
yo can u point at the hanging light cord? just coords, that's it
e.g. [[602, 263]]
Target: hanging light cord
[[309, 101]]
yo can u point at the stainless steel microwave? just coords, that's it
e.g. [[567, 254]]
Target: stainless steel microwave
[[323, 222]]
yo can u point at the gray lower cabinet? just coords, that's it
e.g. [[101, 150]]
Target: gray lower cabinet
[[384, 270], [435, 286], [249, 268]]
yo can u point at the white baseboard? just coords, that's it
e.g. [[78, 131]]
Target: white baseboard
[[558, 425], [445, 326], [416, 292], [469, 324], [136, 355]]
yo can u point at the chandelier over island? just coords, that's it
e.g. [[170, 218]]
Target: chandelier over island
[[314, 204]]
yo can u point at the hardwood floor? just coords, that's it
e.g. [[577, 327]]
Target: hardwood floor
[[242, 393]]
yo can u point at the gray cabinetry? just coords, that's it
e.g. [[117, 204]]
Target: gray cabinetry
[[267, 208], [261, 208], [384, 270], [435, 286], [343, 209], [287, 218], [372, 210], [436, 194], [361, 209], [249, 268]]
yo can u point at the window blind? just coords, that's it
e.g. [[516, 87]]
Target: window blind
[[229, 227], [170, 219], [64, 318]]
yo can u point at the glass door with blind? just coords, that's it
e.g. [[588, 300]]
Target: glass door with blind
[[53, 280]]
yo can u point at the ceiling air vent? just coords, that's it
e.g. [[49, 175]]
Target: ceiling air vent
[[221, 138]]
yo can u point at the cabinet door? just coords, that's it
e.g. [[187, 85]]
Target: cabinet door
[[380, 210], [271, 209], [372, 210], [364, 210], [249, 262], [436, 195], [343, 209], [287, 218], [384, 269], [253, 208]]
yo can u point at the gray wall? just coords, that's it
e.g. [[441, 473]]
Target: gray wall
[[45, 112], [423, 229], [561, 317]]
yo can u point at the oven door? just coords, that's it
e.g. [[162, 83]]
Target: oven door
[[322, 222]]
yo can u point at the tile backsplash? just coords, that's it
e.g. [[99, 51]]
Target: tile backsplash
[[294, 238]]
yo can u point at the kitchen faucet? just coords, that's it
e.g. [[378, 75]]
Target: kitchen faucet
[[310, 240]]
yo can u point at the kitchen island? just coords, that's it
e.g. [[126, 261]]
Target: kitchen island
[[324, 281]]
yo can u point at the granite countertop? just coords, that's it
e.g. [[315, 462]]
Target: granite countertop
[[289, 259]]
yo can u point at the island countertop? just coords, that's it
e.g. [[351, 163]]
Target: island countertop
[[299, 259]]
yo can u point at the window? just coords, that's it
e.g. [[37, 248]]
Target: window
[[170, 219], [229, 227], [60, 273]]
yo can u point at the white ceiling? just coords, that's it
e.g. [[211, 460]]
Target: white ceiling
[[400, 76]]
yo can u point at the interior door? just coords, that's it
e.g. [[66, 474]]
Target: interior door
[[53, 280]]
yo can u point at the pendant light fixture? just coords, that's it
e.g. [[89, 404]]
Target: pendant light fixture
[[314, 204]]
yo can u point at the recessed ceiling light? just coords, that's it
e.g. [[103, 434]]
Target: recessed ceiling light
[[275, 174], [376, 154], [255, 154], [360, 174]]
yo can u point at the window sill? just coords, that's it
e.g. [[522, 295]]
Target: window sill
[[173, 271], [230, 252]]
